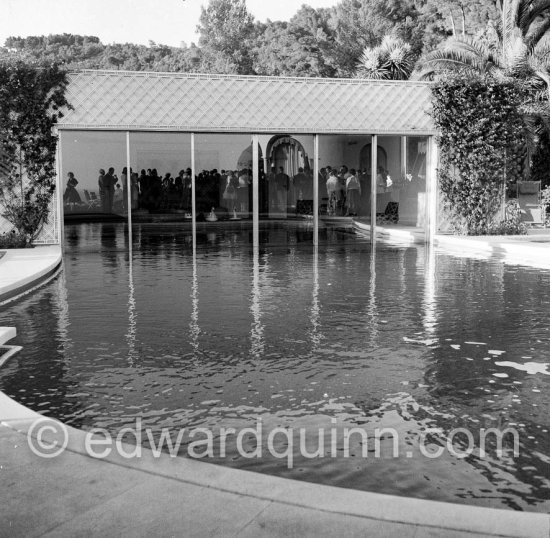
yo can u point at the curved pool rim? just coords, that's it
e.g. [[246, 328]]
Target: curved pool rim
[[309, 501]]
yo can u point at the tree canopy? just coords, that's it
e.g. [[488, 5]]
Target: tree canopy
[[323, 42]]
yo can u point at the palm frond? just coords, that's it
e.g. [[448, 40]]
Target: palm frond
[[460, 54], [510, 17], [468, 45], [537, 33], [533, 10], [514, 52]]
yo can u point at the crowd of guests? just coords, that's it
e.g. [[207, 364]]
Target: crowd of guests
[[347, 190]]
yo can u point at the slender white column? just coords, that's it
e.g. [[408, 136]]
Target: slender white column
[[59, 191], [373, 174], [403, 156], [316, 190], [255, 191], [128, 188], [193, 205], [431, 190]]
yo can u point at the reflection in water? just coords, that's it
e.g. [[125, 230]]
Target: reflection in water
[[348, 336], [194, 329], [373, 317], [429, 303], [257, 330], [61, 305], [132, 312], [315, 333]]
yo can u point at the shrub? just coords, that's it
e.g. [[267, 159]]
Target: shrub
[[14, 240], [30, 99], [482, 148]]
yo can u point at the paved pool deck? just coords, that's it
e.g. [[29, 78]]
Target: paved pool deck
[[75, 494], [531, 250]]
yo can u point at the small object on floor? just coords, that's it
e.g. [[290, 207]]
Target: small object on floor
[[212, 217]]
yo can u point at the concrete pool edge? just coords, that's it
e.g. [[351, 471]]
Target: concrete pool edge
[[253, 493], [398, 513], [527, 250], [22, 270]]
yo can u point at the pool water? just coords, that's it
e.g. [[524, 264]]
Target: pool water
[[343, 336]]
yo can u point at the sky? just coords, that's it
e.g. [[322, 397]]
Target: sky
[[166, 22]]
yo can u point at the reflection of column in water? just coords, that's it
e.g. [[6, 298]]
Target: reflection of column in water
[[316, 335], [257, 330], [429, 302], [132, 313], [61, 302], [372, 308], [194, 329]]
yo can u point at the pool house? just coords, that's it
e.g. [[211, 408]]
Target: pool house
[[224, 147]]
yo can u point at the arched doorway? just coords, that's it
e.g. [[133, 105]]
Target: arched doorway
[[366, 158], [287, 152]]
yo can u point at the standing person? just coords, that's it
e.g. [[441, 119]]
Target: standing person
[[71, 196], [155, 189], [124, 181], [143, 187], [230, 193], [118, 199], [381, 178], [134, 183], [242, 190], [101, 188], [271, 189], [187, 194], [343, 176], [282, 181], [333, 190], [109, 182], [365, 182], [353, 193], [301, 186]]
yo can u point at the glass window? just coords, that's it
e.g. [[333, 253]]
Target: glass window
[[286, 180], [223, 176], [345, 175], [388, 179], [91, 171], [161, 174], [413, 183]]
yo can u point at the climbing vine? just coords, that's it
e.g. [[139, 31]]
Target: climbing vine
[[482, 145], [30, 103]]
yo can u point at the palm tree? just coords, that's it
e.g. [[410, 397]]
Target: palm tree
[[391, 60], [518, 49]]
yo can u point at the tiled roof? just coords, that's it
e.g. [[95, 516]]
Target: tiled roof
[[214, 103]]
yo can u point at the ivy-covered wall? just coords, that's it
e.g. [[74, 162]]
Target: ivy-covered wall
[[482, 145], [30, 102]]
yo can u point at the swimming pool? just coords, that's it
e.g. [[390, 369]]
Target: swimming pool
[[343, 336]]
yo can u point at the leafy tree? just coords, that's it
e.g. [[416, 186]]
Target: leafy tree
[[226, 31], [87, 52], [30, 102], [393, 59], [455, 18], [296, 48]]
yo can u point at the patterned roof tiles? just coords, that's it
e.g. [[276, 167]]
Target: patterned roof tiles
[[192, 102]]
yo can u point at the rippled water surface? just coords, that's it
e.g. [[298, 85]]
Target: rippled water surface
[[343, 337]]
